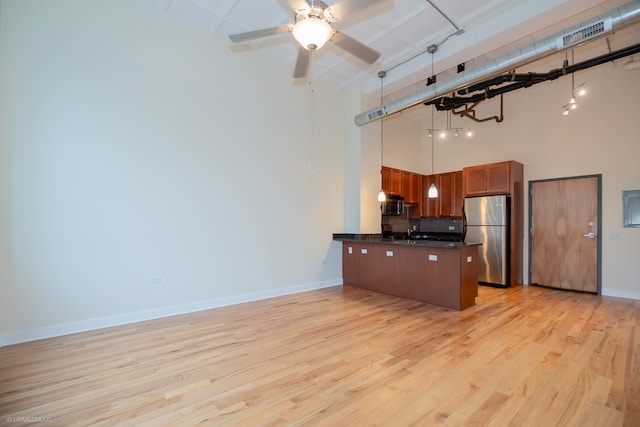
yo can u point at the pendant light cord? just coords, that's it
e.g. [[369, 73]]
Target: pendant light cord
[[381, 74], [433, 136]]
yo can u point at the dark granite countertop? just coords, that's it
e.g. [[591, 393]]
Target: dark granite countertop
[[378, 239]]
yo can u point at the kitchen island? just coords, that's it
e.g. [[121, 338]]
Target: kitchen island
[[435, 272]]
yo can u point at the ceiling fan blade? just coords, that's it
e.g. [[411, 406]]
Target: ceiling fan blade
[[355, 48], [302, 63], [344, 8], [298, 4], [258, 34]]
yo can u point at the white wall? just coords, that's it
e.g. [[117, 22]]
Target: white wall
[[138, 148], [601, 137]]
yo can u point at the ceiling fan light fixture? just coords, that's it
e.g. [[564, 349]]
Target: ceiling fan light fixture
[[312, 32]]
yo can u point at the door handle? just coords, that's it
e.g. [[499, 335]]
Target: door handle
[[590, 235]]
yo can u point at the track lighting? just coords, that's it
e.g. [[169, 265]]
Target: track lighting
[[573, 103], [443, 133], [579, 91]]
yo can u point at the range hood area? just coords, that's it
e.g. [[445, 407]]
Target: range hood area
[[601, 26]]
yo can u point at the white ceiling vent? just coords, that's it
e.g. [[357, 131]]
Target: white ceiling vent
[[578, 36]]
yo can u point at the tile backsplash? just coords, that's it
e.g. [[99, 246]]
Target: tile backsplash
[[401, 224], [441, 224]]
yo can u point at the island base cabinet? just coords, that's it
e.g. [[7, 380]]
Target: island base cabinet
[[446, 277]]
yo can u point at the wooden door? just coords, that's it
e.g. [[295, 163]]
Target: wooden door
[[564, 234]]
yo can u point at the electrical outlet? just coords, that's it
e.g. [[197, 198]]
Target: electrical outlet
[[614, 236], [155, 280]]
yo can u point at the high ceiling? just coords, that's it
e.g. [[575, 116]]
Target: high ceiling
[[401, 30]]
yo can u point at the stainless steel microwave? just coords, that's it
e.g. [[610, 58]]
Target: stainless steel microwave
[[394, 205]]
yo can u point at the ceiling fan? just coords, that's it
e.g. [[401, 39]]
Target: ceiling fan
[[313, 28]]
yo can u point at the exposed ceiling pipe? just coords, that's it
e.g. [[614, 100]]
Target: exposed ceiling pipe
[[512, 81], [613, 20]]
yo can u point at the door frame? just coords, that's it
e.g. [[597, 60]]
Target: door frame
[[598, 237]]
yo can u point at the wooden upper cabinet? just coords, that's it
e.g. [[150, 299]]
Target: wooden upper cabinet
[[392, 181], [444, 184], [411, 185], [458, 194], [488, 179], [414, 187], [450, 197], [498, 178], [428, 207], [449, 202]]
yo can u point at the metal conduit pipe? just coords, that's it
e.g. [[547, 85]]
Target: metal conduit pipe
[[524, 80], [620, 18]]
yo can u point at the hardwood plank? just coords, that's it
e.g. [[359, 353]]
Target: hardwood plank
[[343, 356]]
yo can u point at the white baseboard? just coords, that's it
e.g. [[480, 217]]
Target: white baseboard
[[156, 313], [621, 294]]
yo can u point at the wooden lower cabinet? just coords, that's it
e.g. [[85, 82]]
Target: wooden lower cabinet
[[446, 277]]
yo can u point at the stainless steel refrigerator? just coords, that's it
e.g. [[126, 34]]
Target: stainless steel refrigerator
[[487, 222]]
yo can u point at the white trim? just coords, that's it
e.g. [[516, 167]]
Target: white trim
[[156, 313], [620, 294]]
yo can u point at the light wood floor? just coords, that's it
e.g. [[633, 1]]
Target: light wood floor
[[521, 356]]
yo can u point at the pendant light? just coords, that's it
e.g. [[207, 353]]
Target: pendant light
[[381, 196], [433, 191]]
